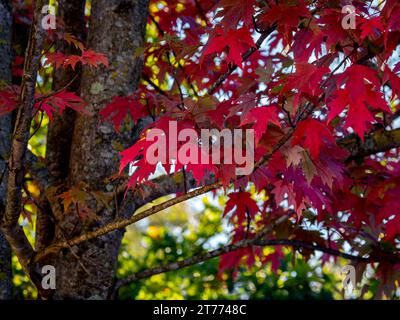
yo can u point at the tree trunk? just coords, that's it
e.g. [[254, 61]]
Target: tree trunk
[[61, 129], [117, 28], [5, 133]]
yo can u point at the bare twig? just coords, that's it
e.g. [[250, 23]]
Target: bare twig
[[51, 94], [156, 87]]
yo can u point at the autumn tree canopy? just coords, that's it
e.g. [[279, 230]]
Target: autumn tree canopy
[[88, 90]]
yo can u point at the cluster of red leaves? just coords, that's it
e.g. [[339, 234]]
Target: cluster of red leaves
[[58, 101], [50, 104], [120, 107], [137, 154], [310, 62], [89, 57], [314, 81]]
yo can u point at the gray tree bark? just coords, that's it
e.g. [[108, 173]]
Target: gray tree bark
[[5, 135], [117, 28]]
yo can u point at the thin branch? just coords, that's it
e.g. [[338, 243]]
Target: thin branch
[[315, 247], [156, 87], [201, 257], [240, 245], [122, 223], [51, 94], [201, 12], [9, 219], [379, 141], [39, 125]]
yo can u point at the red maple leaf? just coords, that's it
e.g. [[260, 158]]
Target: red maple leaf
[[237, 43], [393, 79], [361, 90], [358, 116], [233, 259], [235, 11], [120, 107], [287, 15], [245, 206], [261, 117], [305, 81], [306, 42], [370, 27], [314, 135], [135, 155], [94, 59], [90, 57], [306, 78], [8, 101], [59, 102], [284, 190], [391, 12]]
